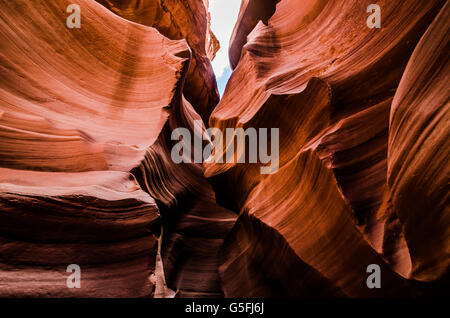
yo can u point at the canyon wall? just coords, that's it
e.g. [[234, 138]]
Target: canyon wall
[[363, 126], [87, 177], [86, 115]]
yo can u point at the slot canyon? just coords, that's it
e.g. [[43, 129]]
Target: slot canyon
[[87, 178]]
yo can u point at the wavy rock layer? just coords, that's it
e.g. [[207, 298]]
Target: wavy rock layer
[[86, 172], [419, 152], [187, 19], [79, 108], [193, 225], [339, 202]]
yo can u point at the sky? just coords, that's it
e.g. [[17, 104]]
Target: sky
[[224, 14]]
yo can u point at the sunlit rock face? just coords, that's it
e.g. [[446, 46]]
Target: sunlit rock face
[[87, 177]]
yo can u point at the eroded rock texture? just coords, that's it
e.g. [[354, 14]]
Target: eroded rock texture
[[87, 178], [187, 19], [363, 116], [80, 109]]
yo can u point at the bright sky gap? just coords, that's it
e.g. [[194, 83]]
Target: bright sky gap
[[224, 15]]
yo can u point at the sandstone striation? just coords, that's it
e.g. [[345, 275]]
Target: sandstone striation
[[338, 202], [76, 116]]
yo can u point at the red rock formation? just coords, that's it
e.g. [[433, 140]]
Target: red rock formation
[[187, 19], [328, 81], [84, 127], [76, 117], [86, 175], [194, 226], [419, 151]]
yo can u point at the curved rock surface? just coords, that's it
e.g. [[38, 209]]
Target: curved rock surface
[[419, 152], [78, 110], [327, 81], [187, 19], [87, 178]]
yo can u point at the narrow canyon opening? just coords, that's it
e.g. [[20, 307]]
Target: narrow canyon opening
[[224, 15]]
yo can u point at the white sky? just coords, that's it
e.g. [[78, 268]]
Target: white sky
[[224, 14]]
